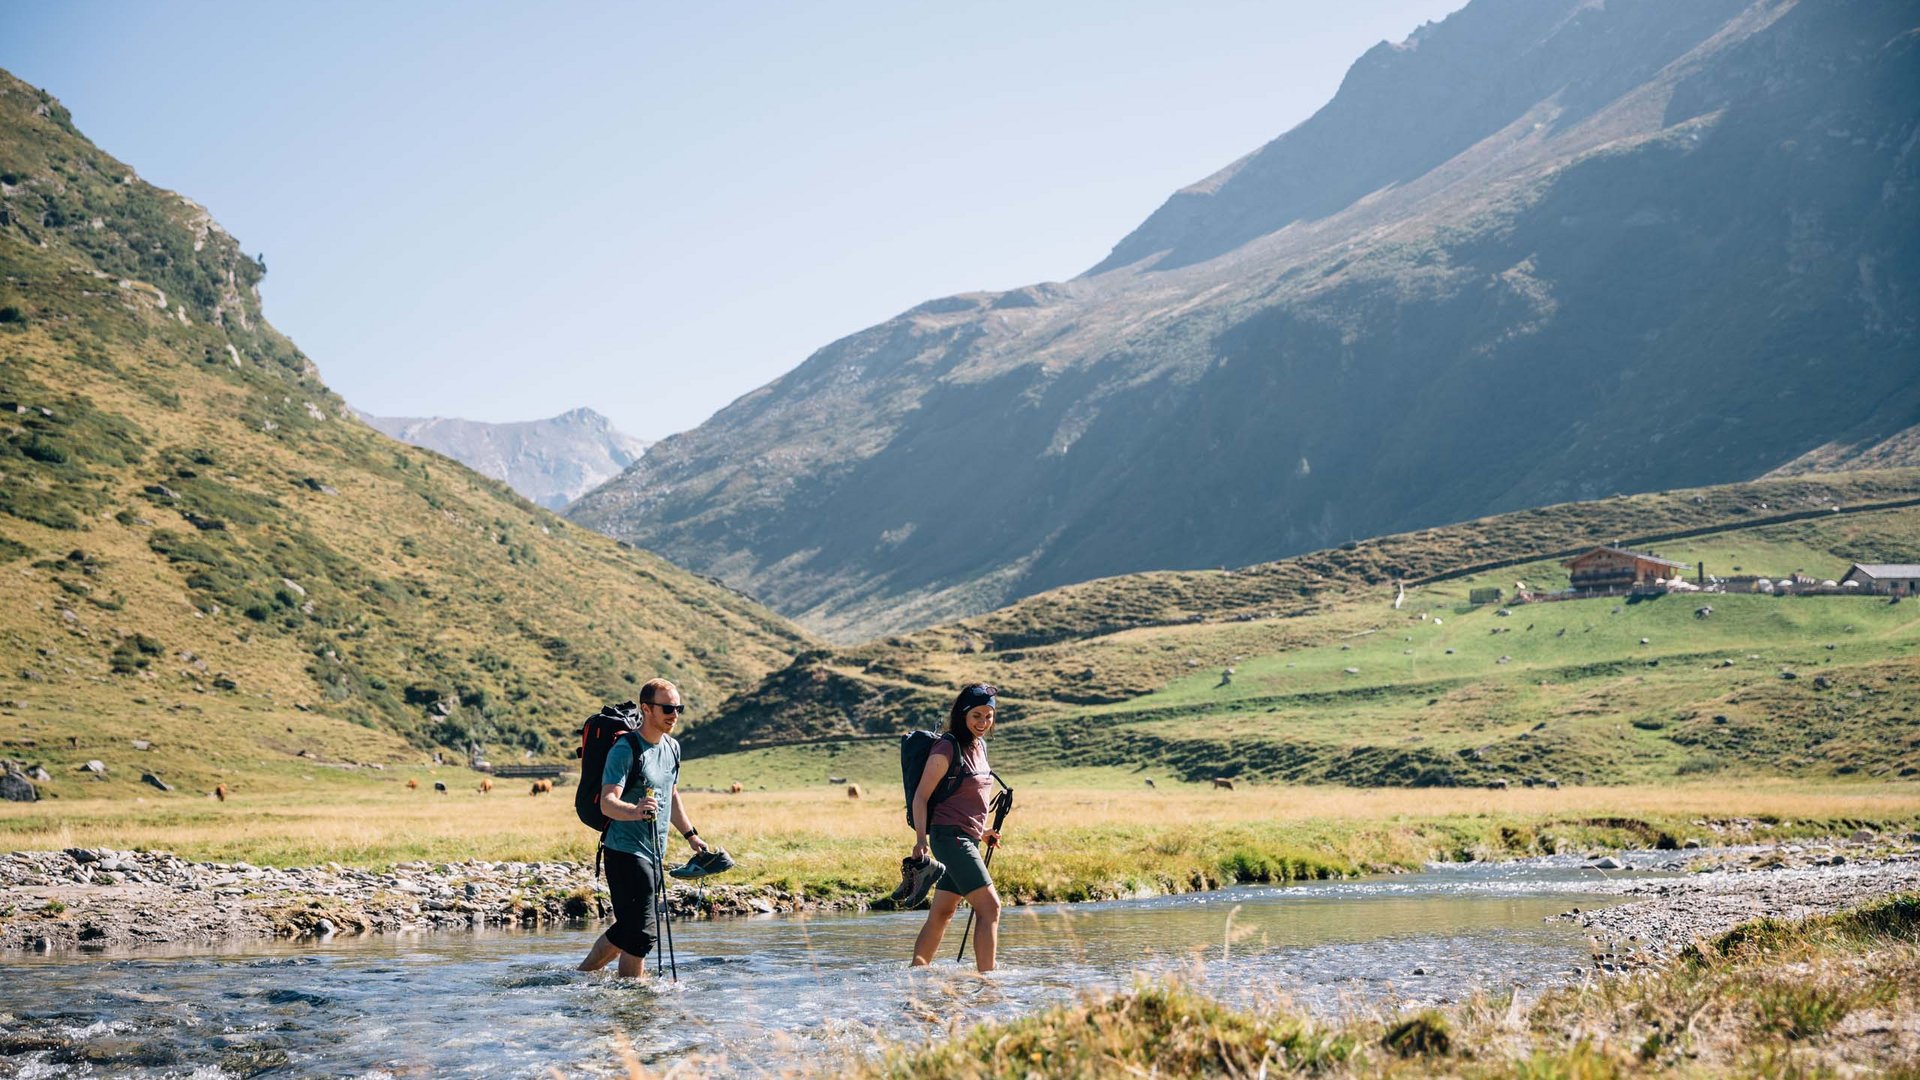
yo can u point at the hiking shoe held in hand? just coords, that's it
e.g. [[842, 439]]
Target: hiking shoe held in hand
[[917, 880], [710, 861]]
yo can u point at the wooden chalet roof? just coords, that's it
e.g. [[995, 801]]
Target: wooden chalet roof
[[1640, 556]]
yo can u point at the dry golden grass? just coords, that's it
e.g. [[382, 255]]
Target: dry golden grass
[[1061, 843]]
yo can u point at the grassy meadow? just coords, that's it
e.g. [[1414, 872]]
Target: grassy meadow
[[1071, 836]]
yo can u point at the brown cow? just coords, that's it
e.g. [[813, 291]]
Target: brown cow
[[1222, 782], [853, 791], [486, 784], [541, 787], [736, 788], [220, 792], [412, 784]]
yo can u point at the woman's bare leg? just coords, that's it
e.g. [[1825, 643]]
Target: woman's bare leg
[[939, 914], [986, 932]]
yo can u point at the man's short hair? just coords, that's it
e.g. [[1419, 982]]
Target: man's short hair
[[655, 690]]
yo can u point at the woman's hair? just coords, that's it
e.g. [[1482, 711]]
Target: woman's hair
[[971, 698]]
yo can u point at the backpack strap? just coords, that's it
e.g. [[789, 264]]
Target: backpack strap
[[947, 783]]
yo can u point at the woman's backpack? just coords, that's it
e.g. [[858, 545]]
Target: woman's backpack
[[915, 748]]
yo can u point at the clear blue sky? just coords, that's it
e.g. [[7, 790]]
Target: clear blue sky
[[502, 211]]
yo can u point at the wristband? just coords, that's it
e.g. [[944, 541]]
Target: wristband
[[690, 834]]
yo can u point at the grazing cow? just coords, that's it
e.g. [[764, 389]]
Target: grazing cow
[[412, 784], [1222, 782], [541, 787], [486, 784], [1150, 782], [736, 789], [853, 791], [220, 792], [440, 787]]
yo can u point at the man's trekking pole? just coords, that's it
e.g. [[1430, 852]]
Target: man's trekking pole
[[666, 905], [662, 910], [1002, 803]]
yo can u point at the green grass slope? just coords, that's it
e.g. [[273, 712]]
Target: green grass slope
[[200, 547], [1330, 683]]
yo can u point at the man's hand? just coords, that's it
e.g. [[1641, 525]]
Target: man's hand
[[698, 845], [646, 808]]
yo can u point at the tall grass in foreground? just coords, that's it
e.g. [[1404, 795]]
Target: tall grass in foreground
[[1769, 999], [1061, 843]]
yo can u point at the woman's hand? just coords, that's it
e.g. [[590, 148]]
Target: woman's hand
[[991, 838], [697, 844], [920, 851]]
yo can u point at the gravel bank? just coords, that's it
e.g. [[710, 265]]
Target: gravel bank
[[99, 898], [1735, 885]]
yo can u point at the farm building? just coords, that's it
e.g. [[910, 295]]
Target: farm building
[[1617, 568], [1895, 579]]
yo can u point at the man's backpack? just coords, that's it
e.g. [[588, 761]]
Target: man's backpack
[[602, 729], [915, 748]]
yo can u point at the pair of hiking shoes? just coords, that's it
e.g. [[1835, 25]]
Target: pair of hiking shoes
[[917, 879]]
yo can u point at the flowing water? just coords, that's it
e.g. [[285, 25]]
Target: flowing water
[[771, 993]]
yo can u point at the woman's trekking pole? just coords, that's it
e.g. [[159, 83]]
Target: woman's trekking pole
[[1002, 803]]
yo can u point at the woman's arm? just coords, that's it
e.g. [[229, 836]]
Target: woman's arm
[[936, 771]]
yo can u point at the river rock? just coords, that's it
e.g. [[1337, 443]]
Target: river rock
[[1864, 836], [82, 855], [15, 787], [1608, 862]]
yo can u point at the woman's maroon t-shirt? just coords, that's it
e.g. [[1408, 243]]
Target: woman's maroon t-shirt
[[967, 806]]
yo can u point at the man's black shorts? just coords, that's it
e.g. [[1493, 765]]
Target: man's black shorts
[[631, 885]]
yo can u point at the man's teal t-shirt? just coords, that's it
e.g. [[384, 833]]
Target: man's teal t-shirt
[[659, 768]]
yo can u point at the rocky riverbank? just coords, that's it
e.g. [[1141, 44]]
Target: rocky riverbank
[[1730, 886], [99, 898]]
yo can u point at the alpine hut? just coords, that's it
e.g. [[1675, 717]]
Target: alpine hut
[[1608, 568]]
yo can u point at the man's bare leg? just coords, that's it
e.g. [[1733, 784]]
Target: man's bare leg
[[632, 967], [600, 955]]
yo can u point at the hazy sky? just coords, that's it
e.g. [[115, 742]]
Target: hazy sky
[[503, 211]]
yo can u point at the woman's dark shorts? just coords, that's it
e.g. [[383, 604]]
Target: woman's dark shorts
[[966, 870], [630, 884]]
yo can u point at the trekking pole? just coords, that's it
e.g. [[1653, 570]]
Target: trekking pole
[[673, 962], [1002, 803]]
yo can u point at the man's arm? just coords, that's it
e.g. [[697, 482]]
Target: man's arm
[[618, 809], [679, 819]]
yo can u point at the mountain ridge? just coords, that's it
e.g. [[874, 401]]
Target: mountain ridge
[[1597, 294], [201, 547], [551, 461]]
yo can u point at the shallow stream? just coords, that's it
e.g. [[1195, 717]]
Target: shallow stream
[[770, 993]]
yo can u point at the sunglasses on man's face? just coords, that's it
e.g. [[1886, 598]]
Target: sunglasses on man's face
[[675, 709]]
